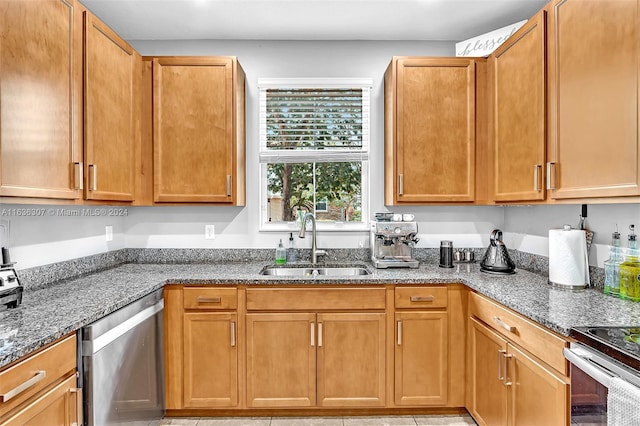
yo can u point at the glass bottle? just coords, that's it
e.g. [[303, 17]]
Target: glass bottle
[[281, 254], [630, 270], [612, 266]]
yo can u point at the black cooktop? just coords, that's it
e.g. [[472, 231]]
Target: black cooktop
[[620, 343]]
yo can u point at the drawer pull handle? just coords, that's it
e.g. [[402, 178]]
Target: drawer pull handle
[[509, 328], [77, 175], [501, 352], [78, 392], [23, 386], [93, 177], [209, 299], [422, 298], [313, 334], [506, 380], [233, 334], [400, 333]]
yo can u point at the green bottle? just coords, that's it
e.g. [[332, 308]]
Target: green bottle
[[630, 270], [612, 266]]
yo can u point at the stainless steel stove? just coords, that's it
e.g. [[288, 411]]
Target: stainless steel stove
[[598, 355], [10, 287], [620, 343]]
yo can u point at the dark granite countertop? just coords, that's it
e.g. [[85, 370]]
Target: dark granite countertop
[[50, 313]]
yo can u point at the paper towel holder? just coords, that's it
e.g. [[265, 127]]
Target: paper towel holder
[[567, 286]]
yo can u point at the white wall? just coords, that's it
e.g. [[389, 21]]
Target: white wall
[[51, 238], [528, 226]]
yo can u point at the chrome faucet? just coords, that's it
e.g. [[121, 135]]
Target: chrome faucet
[[314, 248]]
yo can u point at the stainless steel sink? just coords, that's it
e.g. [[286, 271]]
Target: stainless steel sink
[[309, 271]]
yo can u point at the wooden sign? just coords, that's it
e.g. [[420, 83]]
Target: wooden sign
[[484, 44]]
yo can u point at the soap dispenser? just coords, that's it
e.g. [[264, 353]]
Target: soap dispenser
[[612, 266], [281, 254], [291, 250]]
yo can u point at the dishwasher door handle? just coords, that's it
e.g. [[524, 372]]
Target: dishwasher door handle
[[90, 347]]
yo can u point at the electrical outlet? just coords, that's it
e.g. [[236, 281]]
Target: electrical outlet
[[108, 232], [209, 232]]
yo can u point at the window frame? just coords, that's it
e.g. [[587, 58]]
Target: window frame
[[266, 155]]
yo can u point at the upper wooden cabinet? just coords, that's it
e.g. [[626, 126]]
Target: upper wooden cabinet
[[517, 88], [198, 130], [593, 89], [429, 130], [112, 79], [41, 99]]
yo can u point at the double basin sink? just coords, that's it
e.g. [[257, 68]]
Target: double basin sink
[[315, 270]]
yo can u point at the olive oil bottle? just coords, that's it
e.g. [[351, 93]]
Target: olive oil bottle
[[612, 266], [630, 270]]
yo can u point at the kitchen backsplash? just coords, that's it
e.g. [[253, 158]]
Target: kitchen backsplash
[[43, 276]]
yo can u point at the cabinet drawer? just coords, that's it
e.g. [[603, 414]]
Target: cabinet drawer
[[527, 334], [292, 299], [421, 297], [36, 373], [210, 298]]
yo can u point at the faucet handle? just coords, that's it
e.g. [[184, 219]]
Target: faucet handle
[[321, 252]]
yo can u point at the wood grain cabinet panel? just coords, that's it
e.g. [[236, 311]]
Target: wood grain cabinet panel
[[41, 99], [593, 90], [507, 385], [198, 135], [53, 397], [210, 359], [486, 392], [429, 130], [112, 77], [351, 359], [421, 358], [517, 70], [281, 360]]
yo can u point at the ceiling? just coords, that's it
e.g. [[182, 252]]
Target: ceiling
[[454, 20]]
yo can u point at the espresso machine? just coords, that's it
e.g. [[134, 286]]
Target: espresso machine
[[391, 243]]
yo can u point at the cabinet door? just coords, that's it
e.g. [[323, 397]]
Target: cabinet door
[[518, 72], [281, 360], [421, 358], [193, 129], [60, 406], [351, 359], [534, 385], [111, 73], [40, 76], [487, 394], [435, 135], [593, 76], [210, 360]]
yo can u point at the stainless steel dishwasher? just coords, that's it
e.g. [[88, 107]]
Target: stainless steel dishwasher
[[122, 364]]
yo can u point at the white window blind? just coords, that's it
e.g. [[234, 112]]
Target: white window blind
[[305, 123], [307, 120]]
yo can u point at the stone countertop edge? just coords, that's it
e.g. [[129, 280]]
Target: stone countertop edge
[[50, 313]]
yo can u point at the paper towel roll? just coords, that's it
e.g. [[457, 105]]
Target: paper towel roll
[[568, 258]]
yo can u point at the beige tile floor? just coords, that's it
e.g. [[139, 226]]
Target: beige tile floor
[[439, 420]]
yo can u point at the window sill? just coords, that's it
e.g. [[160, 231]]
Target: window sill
[[320, 227]]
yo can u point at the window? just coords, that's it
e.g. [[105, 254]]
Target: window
[[314, 152]]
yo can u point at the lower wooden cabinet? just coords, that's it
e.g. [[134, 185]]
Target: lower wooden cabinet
[[60, 406], [506, 385], [421, 358], [210, 359], [46, 386], [316, 359], [202, 340]]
